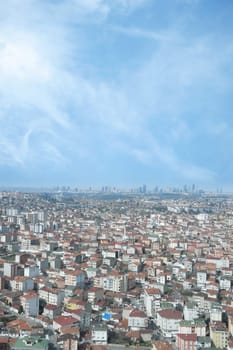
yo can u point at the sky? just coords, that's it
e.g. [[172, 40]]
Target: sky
[[116, 92]]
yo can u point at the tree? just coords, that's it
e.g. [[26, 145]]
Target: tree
[[21, 310]]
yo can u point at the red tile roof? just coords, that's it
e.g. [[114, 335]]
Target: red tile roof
[[137, 313], [171, 314]]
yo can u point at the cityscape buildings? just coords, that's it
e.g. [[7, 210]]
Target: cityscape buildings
[[140, 270]]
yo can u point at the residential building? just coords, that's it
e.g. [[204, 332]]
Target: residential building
[[30, 303], [152, 298], [31, 271], [168, 320], [215, 312], [219, 334], [137, 319], [52, 295], [186, 341], [75, 278], [99, 334], [113, 282], [22, 283], [197, 327], [30, 342], [201, 279], [9, 269], [64, 321], [191, 311]]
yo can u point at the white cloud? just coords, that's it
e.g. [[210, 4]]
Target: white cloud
[[48, 104], [80, 10], [130, 4], [21, 61], [152, 152], [145, 34]]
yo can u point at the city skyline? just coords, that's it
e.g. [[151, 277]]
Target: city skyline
[[117, 92]]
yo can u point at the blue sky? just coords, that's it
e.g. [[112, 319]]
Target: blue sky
[[116, 92]]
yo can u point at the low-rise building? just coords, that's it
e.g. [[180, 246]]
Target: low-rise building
[[168, 320], [137, 319], [30, 342], [99, 334]]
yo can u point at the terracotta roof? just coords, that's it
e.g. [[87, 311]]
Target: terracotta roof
[[162, 345], [65, 320], [187, 337], [99, 347], [50, 307], [171, 314], [137, 313], [20, 324], [153, 291], [50, 290], [70, 330], [29, 295]]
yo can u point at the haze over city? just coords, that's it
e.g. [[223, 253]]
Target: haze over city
[[116, 92]]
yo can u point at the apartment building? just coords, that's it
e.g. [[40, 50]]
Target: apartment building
[[113, 282], [168, 320], [30, 303], [152, 298], [186, 341], [219, 334], [188, 327], [52, 296], [75, 278], [22, 283]]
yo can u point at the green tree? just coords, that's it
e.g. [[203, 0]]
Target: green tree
[[21, 310]]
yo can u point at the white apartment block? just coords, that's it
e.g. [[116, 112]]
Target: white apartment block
[[31, 271], [191, 311], [30, 303], [99, 335], [215, 312], [201, 279], [22, 283], [52, 296], [115, 283], [9, 269], [137, 319], [225, 283], [220, 263], [168, 320], [188, 327], [152, 298], [75, 278]]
